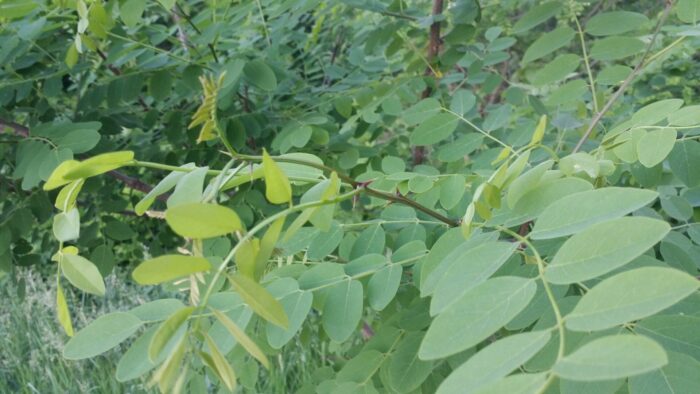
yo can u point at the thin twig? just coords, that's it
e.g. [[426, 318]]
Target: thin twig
[[637, 70]]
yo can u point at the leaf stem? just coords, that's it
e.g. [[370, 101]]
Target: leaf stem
[[550, 296], [637, 70], [587, 63]]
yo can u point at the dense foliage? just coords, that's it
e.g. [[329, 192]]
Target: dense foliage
[[438, 196]]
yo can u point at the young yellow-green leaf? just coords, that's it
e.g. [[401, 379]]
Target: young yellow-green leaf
[[220, 364], [494, 362], [267, 246], [603, 247], [242, 338], [166, 331], [577, 211], [613, 302], [201, 220], [102, 334], [65, 201], [57, 177], [169, 372], [260, 300], [83, 274], [655, 145], [476, 315], [99, 165], [246, 257], [612, 357], [66, 225], [539, 131], [169, 267], [277, 187], [62, 311]]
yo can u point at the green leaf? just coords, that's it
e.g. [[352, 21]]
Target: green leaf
[[421, 111], [527, 182], [494, 362], [166, 331], [325, 242], [679, 376], [685, 160], [686, 116], [260, 300], [612, 357], [434, 129], [66, 225], [131, 12], [548, 43], [277, 187], [531, 205], [242, 338], [655, 112], [615, 22], [612, 301], [82, 274], [296, 304], [260, 75], [468, 270], [576, 212], [655, 145], [613, 75], [614, 48], [157, 310], [383, 285], [522, 383], [371, 240], [445, 252], [135, 362], [688, 11], [556, 70], [476, 315], [102, 334], [188, 188], [536, 16], [99, 165], [678, 333], [603, 247], [168, 268], [405, 371], [202, 220], [362, 367], [342, 310]]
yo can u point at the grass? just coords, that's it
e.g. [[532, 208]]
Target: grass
[[31, 342]]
